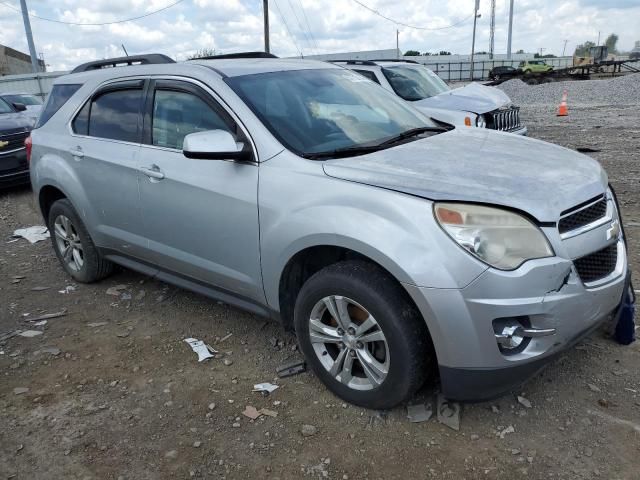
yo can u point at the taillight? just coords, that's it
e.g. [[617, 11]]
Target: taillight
[[28, 144]]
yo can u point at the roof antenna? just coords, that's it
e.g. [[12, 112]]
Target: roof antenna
[[125, 50]]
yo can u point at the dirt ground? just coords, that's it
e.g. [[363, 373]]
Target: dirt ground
[[121, 396]]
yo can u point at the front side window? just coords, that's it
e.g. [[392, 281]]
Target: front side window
[[319, 111], [414, 83], [115, 115], [56, 99], [176, 114]]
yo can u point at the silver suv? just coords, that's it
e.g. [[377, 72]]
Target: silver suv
[[300, 191]]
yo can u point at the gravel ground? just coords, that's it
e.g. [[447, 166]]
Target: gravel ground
[[621, 91], [110, 391]]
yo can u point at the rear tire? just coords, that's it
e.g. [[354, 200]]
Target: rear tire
[[73, 245], [386, 351]]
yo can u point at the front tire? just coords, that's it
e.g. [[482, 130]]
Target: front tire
[[362, 336], [73, 246]]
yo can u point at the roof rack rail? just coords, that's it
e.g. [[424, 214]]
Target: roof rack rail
[[394, 60], [238, 55], [354, 62], [151, 58]]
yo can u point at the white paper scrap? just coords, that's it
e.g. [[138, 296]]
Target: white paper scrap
[[33, 234], [203, 350], [264, 387]]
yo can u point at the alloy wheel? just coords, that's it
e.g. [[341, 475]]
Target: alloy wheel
[[349, 342], [69, 243]]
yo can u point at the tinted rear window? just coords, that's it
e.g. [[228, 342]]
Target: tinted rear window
[[56, 99], [115, 115]]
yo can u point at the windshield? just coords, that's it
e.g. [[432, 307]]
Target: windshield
[[414, 83], [319, 111], [23, 99], [4, 107]]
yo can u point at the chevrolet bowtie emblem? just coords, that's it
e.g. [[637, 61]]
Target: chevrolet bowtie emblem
[[3, 144], [614, 230]]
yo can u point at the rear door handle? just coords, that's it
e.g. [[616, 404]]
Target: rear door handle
[[77, 152], [152, 172]]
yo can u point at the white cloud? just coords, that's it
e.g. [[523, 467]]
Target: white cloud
[[317, 26]]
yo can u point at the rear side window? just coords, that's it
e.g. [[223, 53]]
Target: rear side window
[[370, 75], [56, 99], [116, 115]]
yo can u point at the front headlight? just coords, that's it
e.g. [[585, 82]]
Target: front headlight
[[481, 122], [500, 238]]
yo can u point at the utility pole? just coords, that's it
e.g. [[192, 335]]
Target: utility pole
[[473, 42], [27, 29], [265, 14], [398, 44], [492, 29], [509, 35], [565, 47]]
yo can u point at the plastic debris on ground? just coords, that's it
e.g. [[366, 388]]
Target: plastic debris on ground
[[448, 413], [524, 402], [48, 316], [291, 368], [116, 290], [507, 430], [32, 234], [264, 387], [203, 350], [419, 412], [30, 333]]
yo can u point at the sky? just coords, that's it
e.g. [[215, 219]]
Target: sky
[[308, 26]]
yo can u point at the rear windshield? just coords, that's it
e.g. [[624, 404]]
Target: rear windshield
[[56, 99]]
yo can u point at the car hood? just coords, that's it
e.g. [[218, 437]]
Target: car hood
[[15, 122], [476, 165], [474, 98]]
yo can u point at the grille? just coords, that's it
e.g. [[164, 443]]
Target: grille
[[597, 265], [583, 217], [504, 120], [16, 140]]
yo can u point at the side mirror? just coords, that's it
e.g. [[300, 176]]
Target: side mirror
[[20, 107], [214, 145]]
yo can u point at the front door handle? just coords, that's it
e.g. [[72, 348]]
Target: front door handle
[[152, 172], [76, 152]]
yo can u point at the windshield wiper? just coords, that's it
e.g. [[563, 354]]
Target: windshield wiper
[[364, 149], [414, 132], [343, 152]]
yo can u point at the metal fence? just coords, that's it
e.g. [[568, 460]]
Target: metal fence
[[36, 84], [461, 71]]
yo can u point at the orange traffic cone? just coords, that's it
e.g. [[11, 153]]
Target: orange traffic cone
[[563, 111]]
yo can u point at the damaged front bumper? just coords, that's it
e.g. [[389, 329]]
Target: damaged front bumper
[[545, 302]]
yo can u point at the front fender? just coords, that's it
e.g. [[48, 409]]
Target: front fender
[[301, 207]]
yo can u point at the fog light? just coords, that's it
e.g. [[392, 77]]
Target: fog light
[[514, 334], [509, 338]]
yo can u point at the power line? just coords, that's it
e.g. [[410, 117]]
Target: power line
[[376, 12], [293, 39], [304, 13], [300, 26], [96, 24]]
